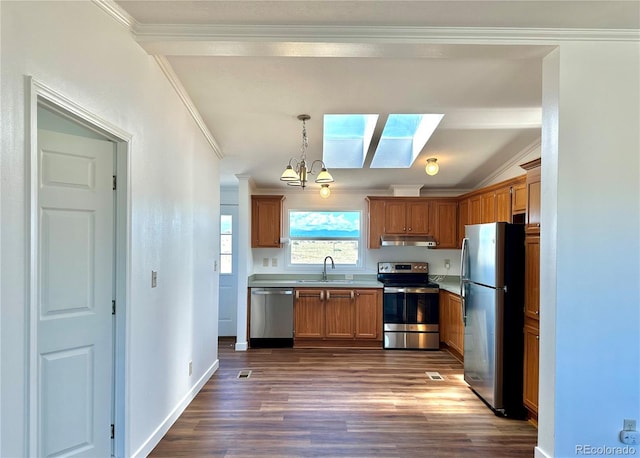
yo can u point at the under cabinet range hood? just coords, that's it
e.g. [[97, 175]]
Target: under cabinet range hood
[[408, 240]]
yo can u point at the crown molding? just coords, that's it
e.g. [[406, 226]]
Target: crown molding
[[117, 13], [515, 160], [167, 69], [378, 34]]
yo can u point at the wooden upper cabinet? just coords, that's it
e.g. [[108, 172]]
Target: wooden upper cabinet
[[376, 221], [407, 217], [395, 217], [418, 217], [463, 219], [533, 192], [495, 203], [488, 207], [503, 205], [519, 198], [266, 221], [532, 277], [445, 225], [475, 210]]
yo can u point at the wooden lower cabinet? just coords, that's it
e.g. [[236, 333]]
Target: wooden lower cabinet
[[339, 314], [531, 371], [308, 314], [368, 304], [451, 325], [337, 317]]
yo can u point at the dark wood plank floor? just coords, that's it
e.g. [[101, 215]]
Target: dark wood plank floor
[[339, 403]]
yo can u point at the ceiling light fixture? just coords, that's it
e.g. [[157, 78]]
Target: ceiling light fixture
[[325, 192], [432, 166], [295, 174]]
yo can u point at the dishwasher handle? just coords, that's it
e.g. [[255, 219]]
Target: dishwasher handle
[[266, 292]]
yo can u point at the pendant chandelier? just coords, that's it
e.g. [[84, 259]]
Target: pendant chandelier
[[296, 173]]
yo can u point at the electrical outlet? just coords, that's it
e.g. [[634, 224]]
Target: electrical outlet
[[265, 262], [628, 425], [190, 367], [348, 276], [154, 278], [447, 263], [274, 262]]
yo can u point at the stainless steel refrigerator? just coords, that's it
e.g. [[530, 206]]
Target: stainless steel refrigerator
[[492, 293]]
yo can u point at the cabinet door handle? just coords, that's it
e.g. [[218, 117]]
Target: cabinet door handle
[[328, 295], [350, 295], [409, 229], [297, 294], [537, 312], [322, 295], [537, 337]]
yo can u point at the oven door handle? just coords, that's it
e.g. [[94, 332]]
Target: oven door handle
[[410, 289]]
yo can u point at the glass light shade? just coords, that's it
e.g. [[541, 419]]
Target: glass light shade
[[289, 174], [324, 177], [325, 192], [432, 166]]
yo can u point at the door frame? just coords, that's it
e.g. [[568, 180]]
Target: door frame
[[39, 94]]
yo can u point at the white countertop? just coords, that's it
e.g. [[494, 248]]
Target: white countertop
[[449, 283], [312, 281]]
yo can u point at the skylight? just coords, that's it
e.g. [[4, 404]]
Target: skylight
[[346, 139], [403, 138]]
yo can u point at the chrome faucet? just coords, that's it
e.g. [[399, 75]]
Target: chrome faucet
[[324, 268]]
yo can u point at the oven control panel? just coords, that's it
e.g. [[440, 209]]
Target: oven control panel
[[403, 267]]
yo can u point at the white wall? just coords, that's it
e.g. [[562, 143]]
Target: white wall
[[590, 249], [80, 52]]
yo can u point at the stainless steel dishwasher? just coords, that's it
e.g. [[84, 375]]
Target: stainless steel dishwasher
[[271, 320]]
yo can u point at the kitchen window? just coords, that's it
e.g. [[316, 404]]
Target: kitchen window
[[316, 234], [226, 239]]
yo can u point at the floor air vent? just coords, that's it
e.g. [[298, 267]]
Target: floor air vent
[[244, 374], [434, 376]]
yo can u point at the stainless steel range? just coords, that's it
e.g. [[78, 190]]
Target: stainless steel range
[[410, 306]]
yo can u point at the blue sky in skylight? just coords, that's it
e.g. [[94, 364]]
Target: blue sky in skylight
[[403, 138], [346, 139]]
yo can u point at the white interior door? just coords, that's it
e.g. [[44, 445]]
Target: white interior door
[[228, 295], [75, 292]]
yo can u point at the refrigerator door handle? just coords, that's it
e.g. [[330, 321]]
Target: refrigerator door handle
[[463, 304], [463, 257]]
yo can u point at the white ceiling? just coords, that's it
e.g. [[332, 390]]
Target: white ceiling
[[250, 67]]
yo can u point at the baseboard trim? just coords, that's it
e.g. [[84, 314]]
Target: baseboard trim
[[166, 424], [242, 346]]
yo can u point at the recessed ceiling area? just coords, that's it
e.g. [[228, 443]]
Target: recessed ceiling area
[[251, 67]]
